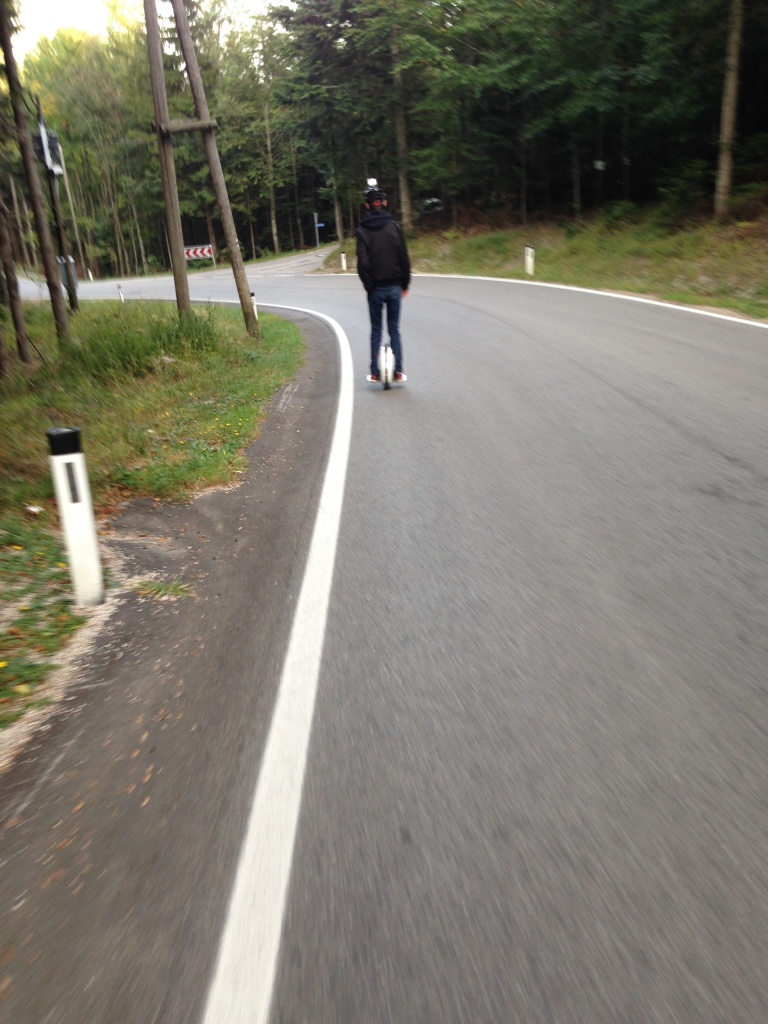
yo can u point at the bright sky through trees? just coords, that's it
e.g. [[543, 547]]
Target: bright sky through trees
[[43, 18]]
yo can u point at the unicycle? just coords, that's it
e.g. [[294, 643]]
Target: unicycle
[[386, 364]]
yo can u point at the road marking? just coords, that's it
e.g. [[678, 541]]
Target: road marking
[[605, 295], [241, 990], [287, 397]]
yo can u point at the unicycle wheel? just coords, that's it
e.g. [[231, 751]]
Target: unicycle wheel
[[386, 366]]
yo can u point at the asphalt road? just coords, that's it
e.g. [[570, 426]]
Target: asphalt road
[[536, 783]]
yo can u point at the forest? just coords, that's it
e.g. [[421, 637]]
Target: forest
[[469, 112]]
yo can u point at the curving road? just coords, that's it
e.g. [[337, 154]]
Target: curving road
[[537, 771]]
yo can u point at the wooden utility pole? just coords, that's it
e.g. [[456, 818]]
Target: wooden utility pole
[[29, 159], [167, 165], [206, 126]]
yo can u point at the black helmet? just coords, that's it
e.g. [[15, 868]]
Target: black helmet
[[373, 193]]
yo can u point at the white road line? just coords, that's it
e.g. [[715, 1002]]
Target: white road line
[[241, 990], [606, 295]]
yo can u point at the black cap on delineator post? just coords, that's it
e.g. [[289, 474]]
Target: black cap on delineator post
[[64, 440]]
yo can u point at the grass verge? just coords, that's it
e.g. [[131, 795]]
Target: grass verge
[[165, 408], [625, 250]]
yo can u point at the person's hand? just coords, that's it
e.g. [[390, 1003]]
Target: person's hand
[[405, 292]]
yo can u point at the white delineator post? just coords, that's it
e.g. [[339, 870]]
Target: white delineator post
[[343, 261], [529, 259], [253, 303], [73, 495]]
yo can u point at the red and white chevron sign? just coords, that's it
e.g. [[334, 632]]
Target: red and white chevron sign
[[198, 252]]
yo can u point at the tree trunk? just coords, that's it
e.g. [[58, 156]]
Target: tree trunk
[[52, 277], [271, 183], [73, 214], [338, 213], [576, 179], [14, 298], [122, 256], [144, 264], [724, 180], [626, 160], [123, 263], [134, 248], [29, 232], [88, 239], [3, 357], [523, 179], [297, 206], [255, 253], [401, 136], [21, 247], [211, 231]]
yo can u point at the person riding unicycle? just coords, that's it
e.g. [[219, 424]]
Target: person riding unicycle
[[384, 268]]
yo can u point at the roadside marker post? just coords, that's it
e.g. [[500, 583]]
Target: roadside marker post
[[343, 261], [73, 496], [253, 303], [529, 259]]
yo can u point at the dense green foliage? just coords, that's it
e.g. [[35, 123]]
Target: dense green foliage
[[513, 109]]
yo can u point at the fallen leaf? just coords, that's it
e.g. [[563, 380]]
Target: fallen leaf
[[144, 802], [79, 807], [51, 879]]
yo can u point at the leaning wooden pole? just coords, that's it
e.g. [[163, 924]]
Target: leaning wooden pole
[[24, 137], [167, 165], [214, 163]]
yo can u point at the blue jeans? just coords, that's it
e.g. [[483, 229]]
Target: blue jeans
[[391, 297]]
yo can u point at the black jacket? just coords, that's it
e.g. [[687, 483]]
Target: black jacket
[[382, 255]]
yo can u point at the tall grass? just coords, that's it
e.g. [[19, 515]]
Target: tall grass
[[164, 404]]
